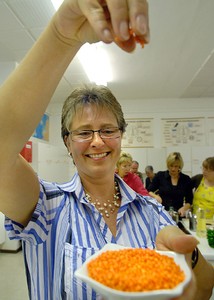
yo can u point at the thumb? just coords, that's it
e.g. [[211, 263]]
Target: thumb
[[173, 239]]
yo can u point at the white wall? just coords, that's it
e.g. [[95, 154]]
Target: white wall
[[51, 162]]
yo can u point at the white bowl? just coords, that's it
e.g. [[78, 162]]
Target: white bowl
[[113, 294]]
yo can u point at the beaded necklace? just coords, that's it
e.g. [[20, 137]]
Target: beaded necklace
[[109, 206]]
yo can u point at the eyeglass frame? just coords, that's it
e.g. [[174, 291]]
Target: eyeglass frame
[[92, 134]]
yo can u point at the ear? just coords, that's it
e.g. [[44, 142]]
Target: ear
[[67, 142]]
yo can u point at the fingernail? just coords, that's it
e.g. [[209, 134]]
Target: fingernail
[[107, 35], [141, 24], [124, 30]]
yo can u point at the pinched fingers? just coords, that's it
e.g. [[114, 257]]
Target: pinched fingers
[[110, 18], [139, 19]]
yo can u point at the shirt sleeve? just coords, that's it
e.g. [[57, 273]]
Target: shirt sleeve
[[139, 186], [42, 219]]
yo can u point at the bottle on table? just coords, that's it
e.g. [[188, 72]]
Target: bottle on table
[[171, 211], [192, 221], [201, 230]]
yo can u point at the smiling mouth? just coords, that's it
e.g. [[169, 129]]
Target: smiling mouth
[[98, 155]]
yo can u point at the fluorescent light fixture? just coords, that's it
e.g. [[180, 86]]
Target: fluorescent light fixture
[[56, 3], [95, 62]]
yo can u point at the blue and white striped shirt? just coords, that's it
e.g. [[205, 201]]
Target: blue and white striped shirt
[[65, 230]]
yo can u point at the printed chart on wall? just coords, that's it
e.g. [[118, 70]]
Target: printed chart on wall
[[139, 133], [210, 123], [183, 131]]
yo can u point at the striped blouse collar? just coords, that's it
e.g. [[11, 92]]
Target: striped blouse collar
[[75, 186]]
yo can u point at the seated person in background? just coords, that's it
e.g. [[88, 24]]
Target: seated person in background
[[123, 169], [174, 187], [150, 175], [203, 186], [134, 169]]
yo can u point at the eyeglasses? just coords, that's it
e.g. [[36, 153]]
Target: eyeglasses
[[87, 135]]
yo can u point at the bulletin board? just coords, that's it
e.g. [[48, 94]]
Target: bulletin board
[[183, 131], [210, 130], [139, 133]]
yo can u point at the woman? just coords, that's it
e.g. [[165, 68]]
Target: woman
[[61, 225], [203, 185], [173, 187], [123, 170]]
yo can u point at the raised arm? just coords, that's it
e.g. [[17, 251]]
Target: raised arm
[[27, 92]]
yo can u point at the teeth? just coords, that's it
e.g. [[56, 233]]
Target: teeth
[[98, 155]]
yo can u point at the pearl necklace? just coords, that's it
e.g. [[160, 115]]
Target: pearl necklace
[[108, 207]]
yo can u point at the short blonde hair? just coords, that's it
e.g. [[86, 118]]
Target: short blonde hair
[[174, 157], [124, 157]]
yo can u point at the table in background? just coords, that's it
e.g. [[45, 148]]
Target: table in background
[[203, 246]]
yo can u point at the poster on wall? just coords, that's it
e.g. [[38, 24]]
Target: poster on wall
[[42, 130], [183, 131], [210, 127], [139, 133]]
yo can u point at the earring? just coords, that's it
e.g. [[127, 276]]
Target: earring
[[69, 154]]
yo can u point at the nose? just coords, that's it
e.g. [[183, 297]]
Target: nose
[[96, 139]]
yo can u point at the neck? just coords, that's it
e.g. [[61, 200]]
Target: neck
[[99, 186], [174, 175], [105, 205], [209, 182]]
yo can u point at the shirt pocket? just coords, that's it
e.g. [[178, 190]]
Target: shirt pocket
[[75, 288]]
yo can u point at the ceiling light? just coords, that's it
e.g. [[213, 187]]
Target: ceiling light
[[56, 3], [93, 58], [95, 62]]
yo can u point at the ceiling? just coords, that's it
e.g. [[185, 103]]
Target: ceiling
[[178, 62]]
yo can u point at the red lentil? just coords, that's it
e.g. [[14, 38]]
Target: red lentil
[[139, 40], [135, 270]]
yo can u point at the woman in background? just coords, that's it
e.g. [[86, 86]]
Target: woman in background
[[133, 180], [203, 186], [174, 187]]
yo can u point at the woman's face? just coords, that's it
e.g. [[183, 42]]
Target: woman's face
[[174, 168], [208, 174], [98, 157], [124, 168]]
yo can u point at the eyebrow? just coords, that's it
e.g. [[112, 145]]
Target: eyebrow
[[89, 126]]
